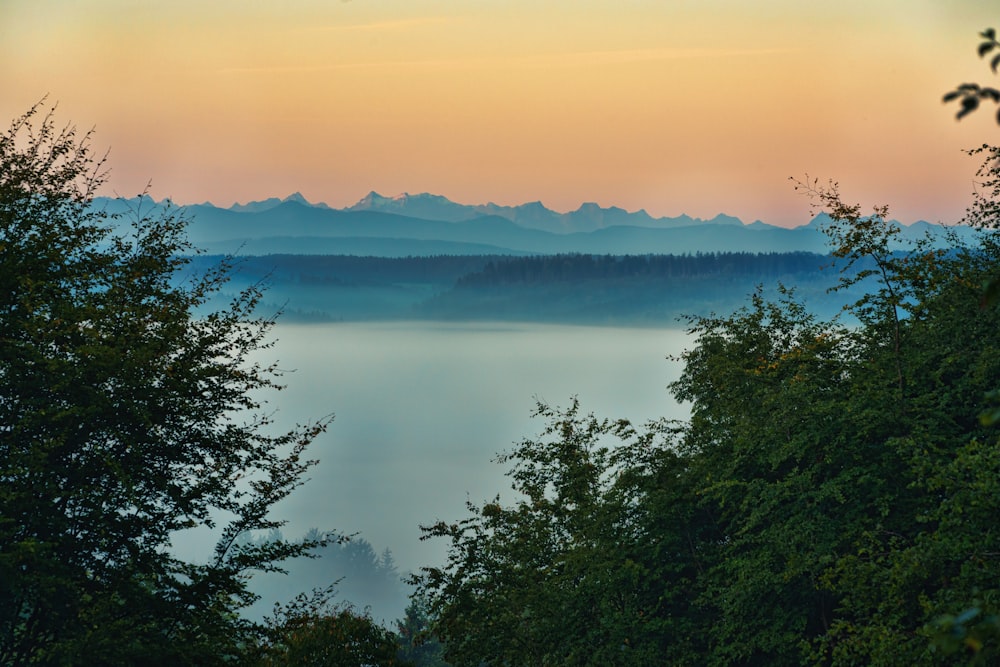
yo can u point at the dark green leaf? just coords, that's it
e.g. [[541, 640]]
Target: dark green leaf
[[969, 104]]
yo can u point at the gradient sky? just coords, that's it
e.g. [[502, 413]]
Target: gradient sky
[[680, 106]]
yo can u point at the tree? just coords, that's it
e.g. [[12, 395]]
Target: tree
[[311, 631], [125, 419], [571, 573], [971, 94], [416, 644], [764, 443], [363, 578]]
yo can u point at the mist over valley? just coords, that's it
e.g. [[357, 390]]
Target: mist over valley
[[421, 411]]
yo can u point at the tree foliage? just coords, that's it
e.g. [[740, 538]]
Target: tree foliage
[[831, 500], [970, 95], [416, 644], [560, 577], [125, 420], [312, 631]]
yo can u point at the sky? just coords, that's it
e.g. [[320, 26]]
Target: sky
[[672, 106]]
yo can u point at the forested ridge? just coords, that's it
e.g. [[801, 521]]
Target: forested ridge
[[491, 270], [350, 270], [579, 267], [576, 288]]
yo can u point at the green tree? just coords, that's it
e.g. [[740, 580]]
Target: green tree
[[311, 631], [583, 568], [831, 453], [125, 419], [416, 643], [765, 444]]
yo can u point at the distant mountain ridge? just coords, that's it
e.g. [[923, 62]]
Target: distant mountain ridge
[[426, 224], [532, 215], [271, 202]]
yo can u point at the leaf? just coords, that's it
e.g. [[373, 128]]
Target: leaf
[[995, 63], [985, 48], [969, 104], [952, 95], [989, 33], [991, 93]]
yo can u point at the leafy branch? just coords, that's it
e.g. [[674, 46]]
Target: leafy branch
[[971, 94]]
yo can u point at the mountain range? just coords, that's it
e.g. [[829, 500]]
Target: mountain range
[[534, 215], [428, 224]]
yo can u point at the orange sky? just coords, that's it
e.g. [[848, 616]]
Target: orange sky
[[675, 106]]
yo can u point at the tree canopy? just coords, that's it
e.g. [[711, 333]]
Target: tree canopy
[[125, 420], [832, 499]]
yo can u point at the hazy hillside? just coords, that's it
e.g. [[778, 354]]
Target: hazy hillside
[[645, 290]]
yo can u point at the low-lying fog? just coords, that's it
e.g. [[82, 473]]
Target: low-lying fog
[[422, 409]]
